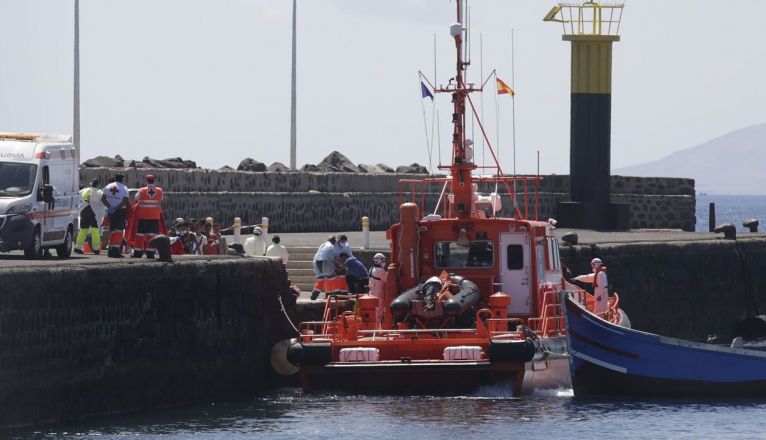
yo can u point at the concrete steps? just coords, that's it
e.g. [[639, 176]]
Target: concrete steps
[[300, 270]]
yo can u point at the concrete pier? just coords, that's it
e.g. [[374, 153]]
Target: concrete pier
[[101, 336]]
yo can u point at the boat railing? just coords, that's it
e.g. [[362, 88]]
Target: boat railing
[[418, 191], [586, 300], [551, 320]]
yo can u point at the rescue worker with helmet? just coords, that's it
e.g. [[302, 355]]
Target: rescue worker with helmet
[[600, 286], [378, 278], [378, 275], [116, 200], [148, 212]]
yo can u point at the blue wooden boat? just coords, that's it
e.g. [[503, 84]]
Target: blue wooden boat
[[609, 360]]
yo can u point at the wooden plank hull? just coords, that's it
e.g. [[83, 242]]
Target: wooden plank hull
[[608, 360]]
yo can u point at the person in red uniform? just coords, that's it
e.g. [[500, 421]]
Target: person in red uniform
[[147, 215]]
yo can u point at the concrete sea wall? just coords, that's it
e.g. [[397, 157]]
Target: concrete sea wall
[[304, 202], [108, 338]]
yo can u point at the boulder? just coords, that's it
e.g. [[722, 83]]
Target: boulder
[[336, 162], [251, 165], [136, 164], [278, 167], [412, 169], [105, 161], [309, 168], [182, 163], [226, 168], [385, 167], [372, 169], [175, 162]]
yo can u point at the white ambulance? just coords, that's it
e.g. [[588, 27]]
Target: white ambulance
[[39, 184]]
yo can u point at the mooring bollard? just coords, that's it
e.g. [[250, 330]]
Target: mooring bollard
[[711, 217], [752, 224], [729, 231], [265, 226], [237, 230], [365, 233]]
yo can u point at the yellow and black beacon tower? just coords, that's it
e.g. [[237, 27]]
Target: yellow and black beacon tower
[[591, 28]]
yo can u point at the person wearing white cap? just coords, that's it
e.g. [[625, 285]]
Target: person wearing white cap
[[600, 286], [256, 245]]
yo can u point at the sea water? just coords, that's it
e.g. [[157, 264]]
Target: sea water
[[731, 209], [549, 414]]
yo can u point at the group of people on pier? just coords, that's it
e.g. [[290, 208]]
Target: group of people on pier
[[129, 223]]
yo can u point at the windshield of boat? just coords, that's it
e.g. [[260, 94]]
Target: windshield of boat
[[17, 179], [451, 255]]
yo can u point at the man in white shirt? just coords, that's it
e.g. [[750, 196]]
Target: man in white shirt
[[278, 250], [116, 200]]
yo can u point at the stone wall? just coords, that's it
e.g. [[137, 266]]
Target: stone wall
[[682, 289], [304, 212], [303, 202], [100, 339]]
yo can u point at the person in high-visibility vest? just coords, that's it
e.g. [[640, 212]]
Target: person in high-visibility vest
[[148, 212], [89, 222]]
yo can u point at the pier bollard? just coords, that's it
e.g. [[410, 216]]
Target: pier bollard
[[752, 224], [711, 217], [265, 226], [162, 244], [729, 231], [365, 232], [569, 238], [237, 230]]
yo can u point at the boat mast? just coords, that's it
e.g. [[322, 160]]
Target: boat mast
[[462, 165]]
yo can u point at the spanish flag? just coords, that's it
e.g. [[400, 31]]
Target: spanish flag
[[503, 88]]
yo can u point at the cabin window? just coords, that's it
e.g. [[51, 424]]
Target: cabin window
[[16, 179], [450, 255], [515, 256]]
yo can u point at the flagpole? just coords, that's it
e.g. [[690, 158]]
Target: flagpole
[[293, 97], [481, 97], [513, 110], [425, 127]]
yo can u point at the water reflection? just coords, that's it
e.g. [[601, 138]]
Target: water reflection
[[290, 414]]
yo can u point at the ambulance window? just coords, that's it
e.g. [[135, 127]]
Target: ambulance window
[[46, 176], [515, 254]]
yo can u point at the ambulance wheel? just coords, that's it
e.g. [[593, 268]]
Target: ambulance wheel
[[34, 249], [64, 250]]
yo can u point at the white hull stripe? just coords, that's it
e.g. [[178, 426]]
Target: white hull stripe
[[600, 363]]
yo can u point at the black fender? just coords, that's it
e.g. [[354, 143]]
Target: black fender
[[309, 354]]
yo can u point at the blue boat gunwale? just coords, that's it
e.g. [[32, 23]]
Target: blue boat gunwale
[[665, 340]]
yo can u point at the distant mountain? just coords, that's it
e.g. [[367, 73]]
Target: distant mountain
[[734, 163]]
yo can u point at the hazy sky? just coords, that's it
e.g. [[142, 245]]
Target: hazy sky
[[209, 80]]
